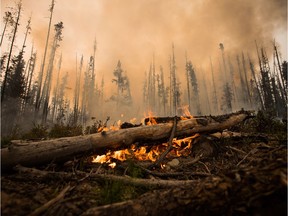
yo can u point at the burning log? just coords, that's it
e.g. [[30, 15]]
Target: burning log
[[63, 149]]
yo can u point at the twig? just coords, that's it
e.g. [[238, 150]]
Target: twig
[[173, 174], [51, 202], [249, 153], [170, 146], [156, 183], [237, 150], [195, 160], [85, 177], [205, 166]]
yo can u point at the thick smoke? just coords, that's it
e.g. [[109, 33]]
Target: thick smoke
[[132, 31]]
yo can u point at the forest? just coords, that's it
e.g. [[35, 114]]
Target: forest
[[37, 97], [223, 123]]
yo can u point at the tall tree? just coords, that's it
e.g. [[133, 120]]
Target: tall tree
[[28, 29], [256, 83], [29, 75], [214, 93], [48, 80], [15, 92], [16, 80], [41, 73], [227, 97], [77, 91], [8, 20], [123, 96], [246, 80], [268, 99], [195, 88], [175, 87], [55, 100], [19, 8], [162, 95]]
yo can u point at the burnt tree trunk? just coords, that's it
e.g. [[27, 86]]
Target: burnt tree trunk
[[62, 149]]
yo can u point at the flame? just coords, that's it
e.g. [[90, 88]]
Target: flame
[[185, 112], [112, 165], [133, 121], [180, 147], [100, 159], [150, 116]]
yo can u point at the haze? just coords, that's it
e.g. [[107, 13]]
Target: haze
[[133, 31]]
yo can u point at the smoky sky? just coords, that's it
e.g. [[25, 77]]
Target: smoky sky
[[132, 31]]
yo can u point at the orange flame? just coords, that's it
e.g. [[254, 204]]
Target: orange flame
[[181, 147]]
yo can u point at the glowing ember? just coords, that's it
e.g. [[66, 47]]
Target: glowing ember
[[100, 159], [112, 165]]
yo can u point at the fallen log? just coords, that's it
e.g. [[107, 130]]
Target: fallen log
[[63, 149]]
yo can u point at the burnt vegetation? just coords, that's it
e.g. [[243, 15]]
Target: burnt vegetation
[[235, 172]]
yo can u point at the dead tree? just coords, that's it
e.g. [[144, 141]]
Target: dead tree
[[55, 99], [28, 29], [77, 92], [234, 90], [48, 80], [214, 91], [246, 80], [174, 89], [195, 88], [268, 99], [256, 82], [8, 20], [162, 94], [41, 73], [29, 76]]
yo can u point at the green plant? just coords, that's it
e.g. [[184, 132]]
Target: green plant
[[38, 131], [134, 171], [61, 130]]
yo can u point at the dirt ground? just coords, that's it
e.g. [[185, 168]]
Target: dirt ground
[[246, 175]]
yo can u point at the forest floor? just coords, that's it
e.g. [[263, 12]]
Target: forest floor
[[243, 176]]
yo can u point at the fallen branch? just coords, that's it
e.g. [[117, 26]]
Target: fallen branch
[[51, 202], [149, 183], [63, 149]]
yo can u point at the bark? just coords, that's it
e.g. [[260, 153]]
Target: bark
[[62, 149]]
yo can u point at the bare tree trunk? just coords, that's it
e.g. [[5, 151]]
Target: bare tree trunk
[[38, 99]]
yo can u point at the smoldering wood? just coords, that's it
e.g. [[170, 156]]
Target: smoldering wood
[[63, 149]]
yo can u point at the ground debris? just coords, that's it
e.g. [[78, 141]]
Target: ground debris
[[245, 177]]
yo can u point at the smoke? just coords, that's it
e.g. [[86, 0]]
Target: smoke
[[132, 31]]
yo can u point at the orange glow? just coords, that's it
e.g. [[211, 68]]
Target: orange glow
[[181, 147], [112, 165], [152, 120], [186, 113]]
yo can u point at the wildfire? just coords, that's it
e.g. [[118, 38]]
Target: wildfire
[[181, 147], [150, 116], [185, 113]]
